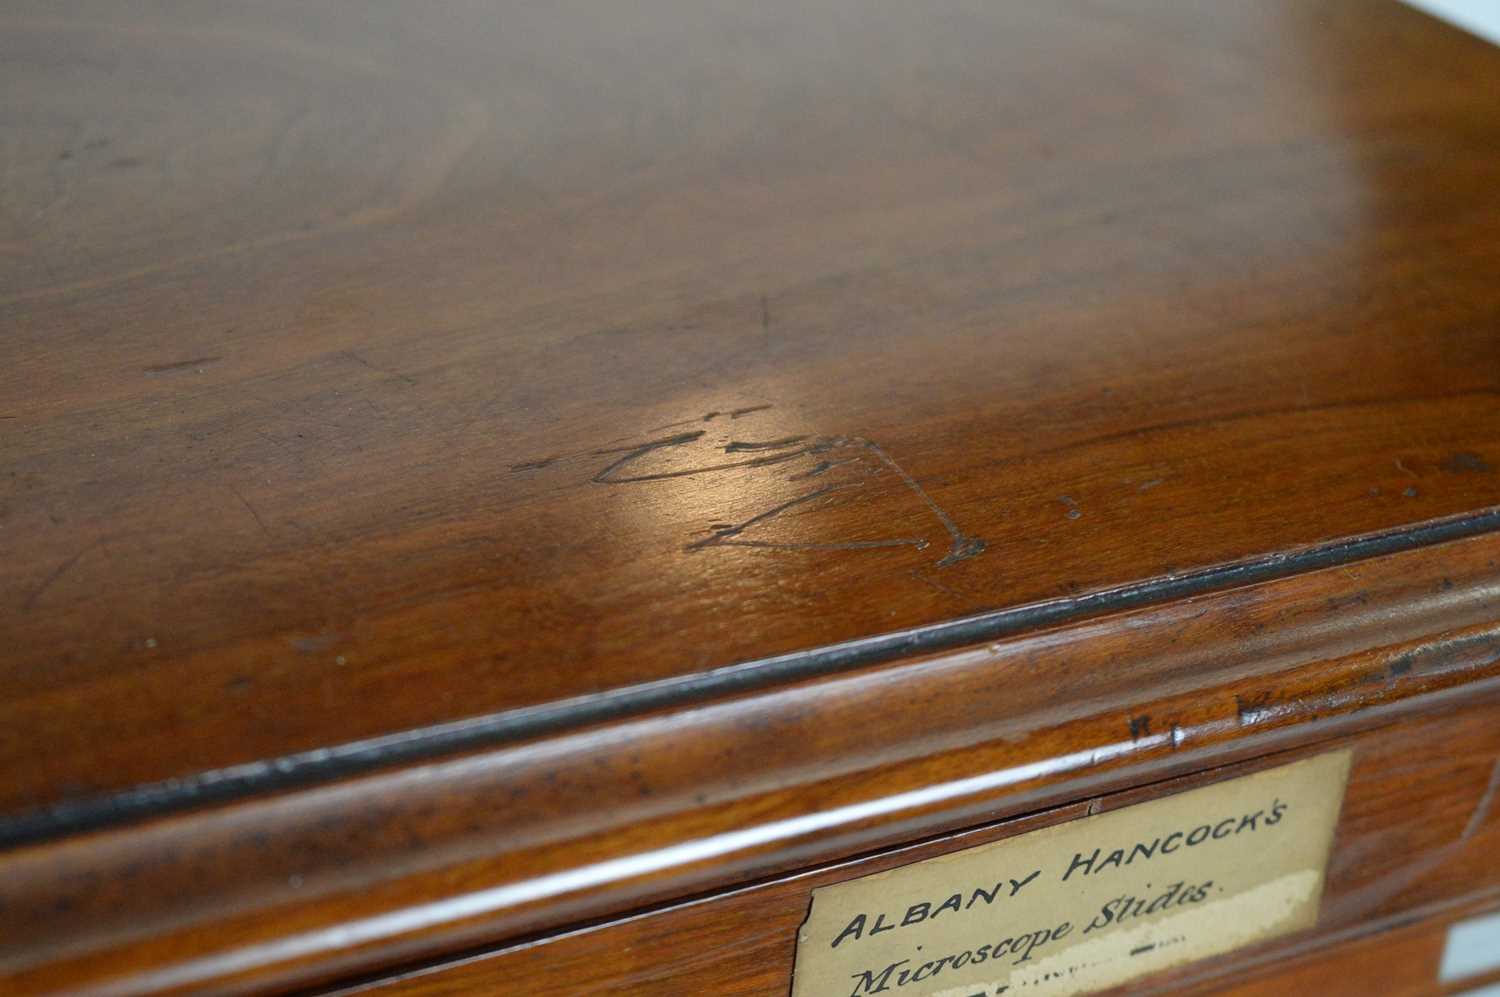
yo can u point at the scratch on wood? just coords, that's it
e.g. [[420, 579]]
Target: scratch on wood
[[961, 545], [57, 573], [609, 477], [1465, 462], [740, 446], [251, 510], [822, 467], [594, 451], [934, 583], [379, 370], [726, 537], [168, 368], [1251, 710], [1482, 808], [733, 413], [316, 642]]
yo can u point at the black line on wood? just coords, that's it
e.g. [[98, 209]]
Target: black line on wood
[[340, 761]]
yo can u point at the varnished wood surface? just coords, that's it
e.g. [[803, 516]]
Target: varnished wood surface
[[533, 839], [1402, 960], [371, 368], [344, 343], [1416, 842]]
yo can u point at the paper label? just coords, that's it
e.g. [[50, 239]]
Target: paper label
[[1086, 905]]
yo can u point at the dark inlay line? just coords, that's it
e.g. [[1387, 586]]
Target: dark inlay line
[[426, 743]]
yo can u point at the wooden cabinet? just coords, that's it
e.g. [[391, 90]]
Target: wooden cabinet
[[513, 498]]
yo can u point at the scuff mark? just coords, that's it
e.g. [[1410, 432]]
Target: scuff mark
[[1482, 808], [1465, 462], [316, 643], [1251, 710], [57, 573], [179, 365]]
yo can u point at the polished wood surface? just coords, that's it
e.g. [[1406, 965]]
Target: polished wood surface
[[372, 367], [1396, 960], [527, 840], [516, 479], [1417, 841]]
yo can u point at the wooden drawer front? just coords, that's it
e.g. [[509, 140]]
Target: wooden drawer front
[[1416, 840]]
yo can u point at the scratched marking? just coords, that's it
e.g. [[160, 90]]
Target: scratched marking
[[725, 537], [821, 467], [179, 365], [872, 459], [1482, 808], [734, 413], [739, 446], [55, 575], [632, 454], [961, 546]]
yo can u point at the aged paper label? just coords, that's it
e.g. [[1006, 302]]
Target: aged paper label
[[1089, 904]]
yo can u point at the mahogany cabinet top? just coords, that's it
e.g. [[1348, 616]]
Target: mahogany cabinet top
[[438, 373]]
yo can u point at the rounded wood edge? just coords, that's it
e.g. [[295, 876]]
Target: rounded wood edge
[[314, 885]]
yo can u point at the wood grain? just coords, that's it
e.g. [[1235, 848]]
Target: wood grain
[[585, 826], [1415, 844], [515, 480], [342, 341]]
